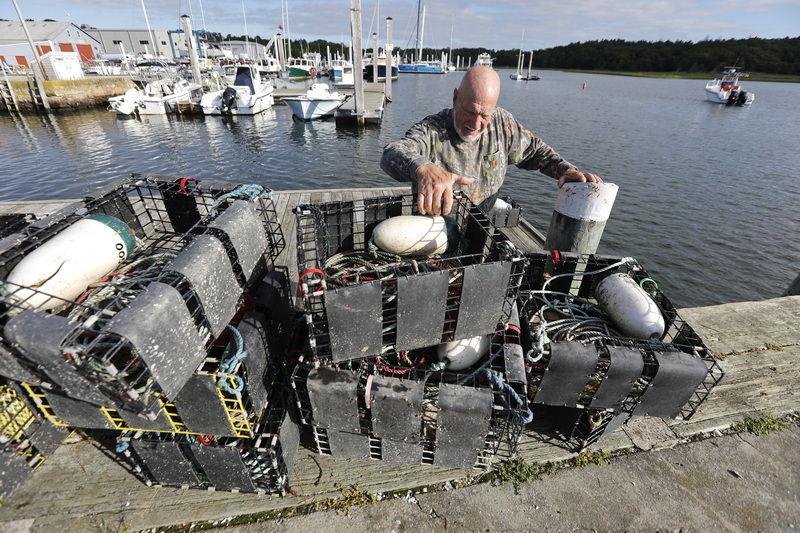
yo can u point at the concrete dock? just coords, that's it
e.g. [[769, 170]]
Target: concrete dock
[[681, 480]]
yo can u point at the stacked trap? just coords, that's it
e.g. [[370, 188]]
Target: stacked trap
[[370, 383], [587, 373], [178, 335]]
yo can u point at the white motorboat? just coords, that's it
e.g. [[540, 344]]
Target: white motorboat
[[318, 102], [247, 95], [726, 90], [158, 97]]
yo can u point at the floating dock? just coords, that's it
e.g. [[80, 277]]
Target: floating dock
[[83, 488]]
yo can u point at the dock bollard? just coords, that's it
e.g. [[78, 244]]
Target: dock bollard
[[579, 217]]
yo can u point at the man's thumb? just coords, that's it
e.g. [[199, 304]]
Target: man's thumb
[[463, 180]]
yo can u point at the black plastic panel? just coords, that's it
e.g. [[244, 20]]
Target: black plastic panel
[[421, 303], [482, 296], [201, 409], [625, 368], [355, 320], [461, 425], [166, 462], [224, 468], [397, 408], [205, 264], [158, 324], [679, 375], [333, 396], [571, 364]]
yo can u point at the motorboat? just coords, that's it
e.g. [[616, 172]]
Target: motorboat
[[726, 90], [318, 102], [157, 97], [484, 60], [303, 67], [247, 95], [369, 66]]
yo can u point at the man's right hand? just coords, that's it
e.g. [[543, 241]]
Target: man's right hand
[[435, 189]]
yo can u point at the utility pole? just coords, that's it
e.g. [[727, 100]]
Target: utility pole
[[38, 72]]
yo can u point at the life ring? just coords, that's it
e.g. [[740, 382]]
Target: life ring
[[735, 87], [312, 71]]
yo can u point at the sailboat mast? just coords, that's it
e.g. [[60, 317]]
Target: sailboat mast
[[152, 39], [421, 32], [417, 43], [530, 62]]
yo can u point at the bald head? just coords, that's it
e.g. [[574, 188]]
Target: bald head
[[474, 102], [481, 83]]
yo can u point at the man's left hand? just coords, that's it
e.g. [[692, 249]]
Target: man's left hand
[[577, 175]]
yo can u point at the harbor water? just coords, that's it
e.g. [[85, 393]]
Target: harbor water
[[708, 195]]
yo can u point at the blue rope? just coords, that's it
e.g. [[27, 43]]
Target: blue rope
[[229, 366], [497, 382], [248, 192]]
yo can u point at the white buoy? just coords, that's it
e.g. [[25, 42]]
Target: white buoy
[[68, 263], [412, 235], [631, 309], [462, 354]]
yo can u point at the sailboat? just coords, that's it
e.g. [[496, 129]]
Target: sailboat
[[419, 66], [528, 76]]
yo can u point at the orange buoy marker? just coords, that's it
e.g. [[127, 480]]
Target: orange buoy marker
[[584, 86]]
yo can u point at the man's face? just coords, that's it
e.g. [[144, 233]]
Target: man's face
[[471, 115]]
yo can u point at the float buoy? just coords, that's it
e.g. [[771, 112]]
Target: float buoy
[[631, 309], [68, 263], [459, 355], [411, 235]]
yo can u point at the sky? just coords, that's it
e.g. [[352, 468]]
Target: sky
[[489, 24]]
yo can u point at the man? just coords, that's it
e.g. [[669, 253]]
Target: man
[[470, 146]]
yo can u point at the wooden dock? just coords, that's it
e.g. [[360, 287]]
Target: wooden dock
[[82, 488]]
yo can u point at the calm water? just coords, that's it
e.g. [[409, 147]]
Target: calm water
[[708, 195]]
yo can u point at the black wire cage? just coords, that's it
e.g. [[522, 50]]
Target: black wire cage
[[134, 337], [359, 303], [224, 397], [262, 463], [407, 407], [27, 438], [577, 359]]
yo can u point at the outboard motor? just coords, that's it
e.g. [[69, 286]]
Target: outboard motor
[[228, 99], [733, 96], [742, 99]]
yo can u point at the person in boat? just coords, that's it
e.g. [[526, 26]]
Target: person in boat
[[470, 146]]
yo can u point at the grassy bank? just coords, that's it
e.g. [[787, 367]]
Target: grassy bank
[[754, 76]]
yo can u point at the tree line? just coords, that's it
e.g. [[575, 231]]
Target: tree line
[[768, 56]]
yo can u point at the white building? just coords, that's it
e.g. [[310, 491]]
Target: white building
[[47, 37], [137, 42]]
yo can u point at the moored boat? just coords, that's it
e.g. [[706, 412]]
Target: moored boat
[[158, 97], [318, 102], [248, 95], [726, 90]]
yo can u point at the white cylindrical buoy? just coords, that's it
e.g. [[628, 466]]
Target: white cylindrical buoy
[[631, 309], [579, 216], [462, 354], [68, 263], [411, 235]]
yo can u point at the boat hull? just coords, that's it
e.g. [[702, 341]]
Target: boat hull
[[421, 69], [311, 109], [245, 103]]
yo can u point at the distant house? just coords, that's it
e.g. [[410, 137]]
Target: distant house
[[47, 37]]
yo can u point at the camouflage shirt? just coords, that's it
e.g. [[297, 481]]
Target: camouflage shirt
[[505, 142]]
